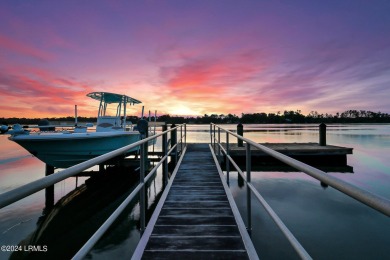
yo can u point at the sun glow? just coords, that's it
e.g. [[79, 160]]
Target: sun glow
[[183, 111]]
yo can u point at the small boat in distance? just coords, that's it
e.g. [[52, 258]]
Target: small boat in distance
[[66, 148]]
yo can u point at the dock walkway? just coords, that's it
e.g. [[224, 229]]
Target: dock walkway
[[198, 219]]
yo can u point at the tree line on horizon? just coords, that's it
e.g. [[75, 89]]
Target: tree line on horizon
[[349, 116]]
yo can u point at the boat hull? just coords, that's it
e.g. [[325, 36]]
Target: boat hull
[[65, 150]]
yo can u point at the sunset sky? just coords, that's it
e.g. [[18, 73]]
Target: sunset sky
[[195, 57]]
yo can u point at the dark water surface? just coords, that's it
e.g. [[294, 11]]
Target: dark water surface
[[329, 224]]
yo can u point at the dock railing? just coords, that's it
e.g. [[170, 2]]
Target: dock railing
[[372, 200], [19, 193]]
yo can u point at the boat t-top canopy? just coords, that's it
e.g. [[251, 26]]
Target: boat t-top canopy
[[109, 98], [106, 98]]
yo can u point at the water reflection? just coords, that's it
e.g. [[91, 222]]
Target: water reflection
[[77, 215], [325, 221], [328, 223]]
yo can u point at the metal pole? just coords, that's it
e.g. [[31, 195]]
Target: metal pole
[[185, 134], [181, 138], [214, 138], [165, 151], [75, 115], [124, 114], [154, 131], [142, 205], [227, 159], [211, 133], [248, 180], [174, 141], [146, 148], [219, 142]]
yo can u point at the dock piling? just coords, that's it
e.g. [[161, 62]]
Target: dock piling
[[49, 191], [143, 127], [240, 131], [322, 128]]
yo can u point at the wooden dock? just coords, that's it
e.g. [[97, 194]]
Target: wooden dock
[[311, 153], [196, 217]]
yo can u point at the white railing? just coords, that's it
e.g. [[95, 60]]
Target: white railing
[[19, 193], [374, 201]]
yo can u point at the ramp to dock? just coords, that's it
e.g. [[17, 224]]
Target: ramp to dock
[[196, 217]]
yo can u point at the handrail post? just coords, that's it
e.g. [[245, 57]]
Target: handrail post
[[214, 138], [181, 138], [185, 135], [165, 152], [211, 133], [219, 142], [248, 180], [142, 206], [227, 159], [174, 141]]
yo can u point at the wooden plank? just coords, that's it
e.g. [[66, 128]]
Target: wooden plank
[[187, 230], [206, 254], [178, 220], [210, 243]]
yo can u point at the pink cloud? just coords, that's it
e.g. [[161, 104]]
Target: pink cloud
[[213, 82], [24, 49], [217, 74], [38, 93]]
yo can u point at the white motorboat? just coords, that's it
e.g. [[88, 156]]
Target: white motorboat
[[69, 147]]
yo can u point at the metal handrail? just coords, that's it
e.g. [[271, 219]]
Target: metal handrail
[[21, 192], [370, 199], [14, 195], [286, 232], [100, 232], [250, 249], [105, 226]]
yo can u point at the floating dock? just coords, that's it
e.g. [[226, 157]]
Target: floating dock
[[311, 153], [196, 217]]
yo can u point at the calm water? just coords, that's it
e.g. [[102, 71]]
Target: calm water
[[326, 222]]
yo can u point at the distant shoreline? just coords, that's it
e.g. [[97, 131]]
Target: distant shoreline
[[288, 117]]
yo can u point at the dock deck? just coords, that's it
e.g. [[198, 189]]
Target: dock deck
[[293, 149], [311, 153], [196, 217]]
